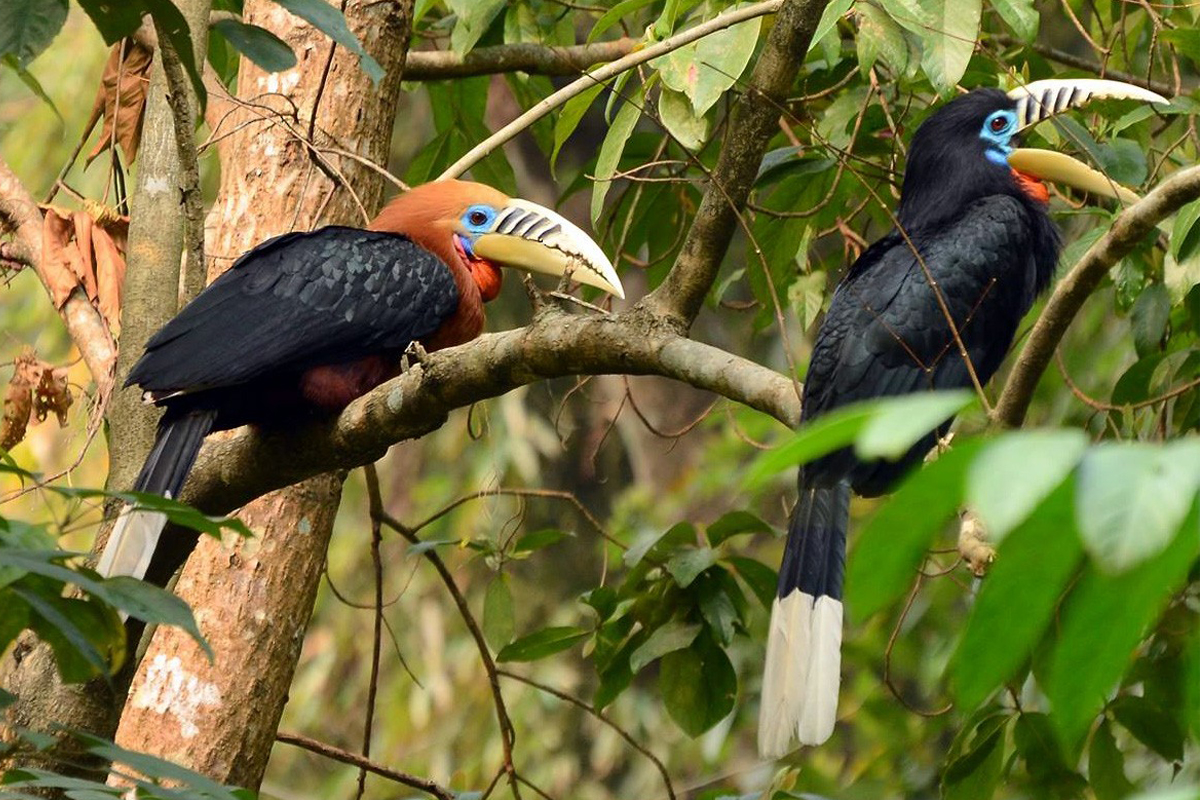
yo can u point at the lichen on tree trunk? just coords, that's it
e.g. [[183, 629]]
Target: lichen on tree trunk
[[253, 598]]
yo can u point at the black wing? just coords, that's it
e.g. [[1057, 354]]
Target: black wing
[[885, 333], [297, 301]]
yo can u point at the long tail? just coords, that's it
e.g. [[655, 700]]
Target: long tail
[[803, 666], [135, 536]]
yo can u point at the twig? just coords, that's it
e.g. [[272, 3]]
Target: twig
[[535, 59], [375, 502], [887, 656], [602, 74], [1074, 289], [575, 701], [354, 759], [1087, 65]]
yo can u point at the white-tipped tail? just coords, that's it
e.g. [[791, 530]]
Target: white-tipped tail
[[131, 544], [802, 673]]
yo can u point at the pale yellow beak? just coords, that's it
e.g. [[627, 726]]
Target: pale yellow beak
[[527, 236], [1060, 168]]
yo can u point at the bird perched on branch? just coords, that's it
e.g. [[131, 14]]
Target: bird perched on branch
[[307, 322], [973, 247]]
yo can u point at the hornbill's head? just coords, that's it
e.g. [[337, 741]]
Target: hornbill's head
[[483, 229], [968, 149]]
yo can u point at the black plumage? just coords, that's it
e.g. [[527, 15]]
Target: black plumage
[[990, 248]]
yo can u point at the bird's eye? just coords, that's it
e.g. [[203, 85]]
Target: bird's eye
[[999, 124], [477, 217]]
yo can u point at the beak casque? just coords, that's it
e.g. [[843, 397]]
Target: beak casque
[[1042, 99], [527, 236]]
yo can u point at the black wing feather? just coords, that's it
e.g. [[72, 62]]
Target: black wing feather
[[885, 333], [300, 300]]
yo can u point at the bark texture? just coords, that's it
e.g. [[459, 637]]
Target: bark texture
[[253, 598]]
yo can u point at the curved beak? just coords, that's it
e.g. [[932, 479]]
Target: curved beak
[[527, 236], [1043, 99], [1051, 165]]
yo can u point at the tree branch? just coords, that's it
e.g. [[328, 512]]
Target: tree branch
[[753, 123], [647, 53], [234, 470], [355, 760], [535, 59], [1086, 64], [19, 215], [1070, 293]]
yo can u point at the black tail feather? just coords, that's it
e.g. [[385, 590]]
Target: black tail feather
[[814, 557]]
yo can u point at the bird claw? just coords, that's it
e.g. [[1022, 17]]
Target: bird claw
[[413, 355], [973, 545]]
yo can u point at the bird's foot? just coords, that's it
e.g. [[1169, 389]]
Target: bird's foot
[[537, 298], [973, 545], [414, 354]]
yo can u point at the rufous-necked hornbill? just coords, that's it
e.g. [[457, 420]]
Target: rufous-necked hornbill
[[306, 322], [984, 234]]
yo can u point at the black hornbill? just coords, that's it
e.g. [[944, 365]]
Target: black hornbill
[[306, 322], [985, 238]]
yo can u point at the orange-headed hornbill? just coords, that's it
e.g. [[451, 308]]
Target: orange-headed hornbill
[[307, 322], [985, 236]]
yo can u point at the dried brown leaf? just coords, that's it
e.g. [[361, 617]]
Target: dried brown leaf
[[122, 97], [58, 240], [110, 277], [85, 269], [52, 395], [18, 400]]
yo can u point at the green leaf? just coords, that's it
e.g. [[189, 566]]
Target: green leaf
[[685, 566], [1086, 665], [258, 44], [1149, 317], [162, 771], [814, 439], [14, 619], [1016, 472], [1124, 161], [668, 638], [31, 83], [614, 15], [1106, 766], [975, 774], [1020, 15], [698, 685], [329, 20], [28, 26], [1151, 725], [761, 579], [568, 118], [735, 523], [721, 603], [609, 156], [499, 623], [542, 643], [1016, 603], [950, 40], [1133, 497], [169, 20], [901, 422], [879, 36], [891, 546], [1185, 235], [539, 539], [706, 68], [662, 543], [473, 18], [833, 12], [115, 19], [680, 120], [58, 621], [1037, 746], [1186, 40]]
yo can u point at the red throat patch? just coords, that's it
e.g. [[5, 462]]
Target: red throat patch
[[487, 277], [1033, 188]]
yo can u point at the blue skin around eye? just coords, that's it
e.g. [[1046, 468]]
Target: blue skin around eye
[[475, 229], [1000, 141]]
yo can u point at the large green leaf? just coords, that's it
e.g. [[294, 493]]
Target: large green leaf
[[706, 68], [499, 616], [949, 40], [884, 561], [698, 685], [900, 422], [1020, 15], [614, 144], [1101, 625], [329, 20], [473, 18], [258, 44], [569, 116], [1133, 497], [1016, 472], [667, 638], [541, 643], [1017, 601], [28, 26], [677, 115]]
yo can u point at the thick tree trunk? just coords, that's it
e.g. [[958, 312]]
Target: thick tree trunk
[[253, 598]]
